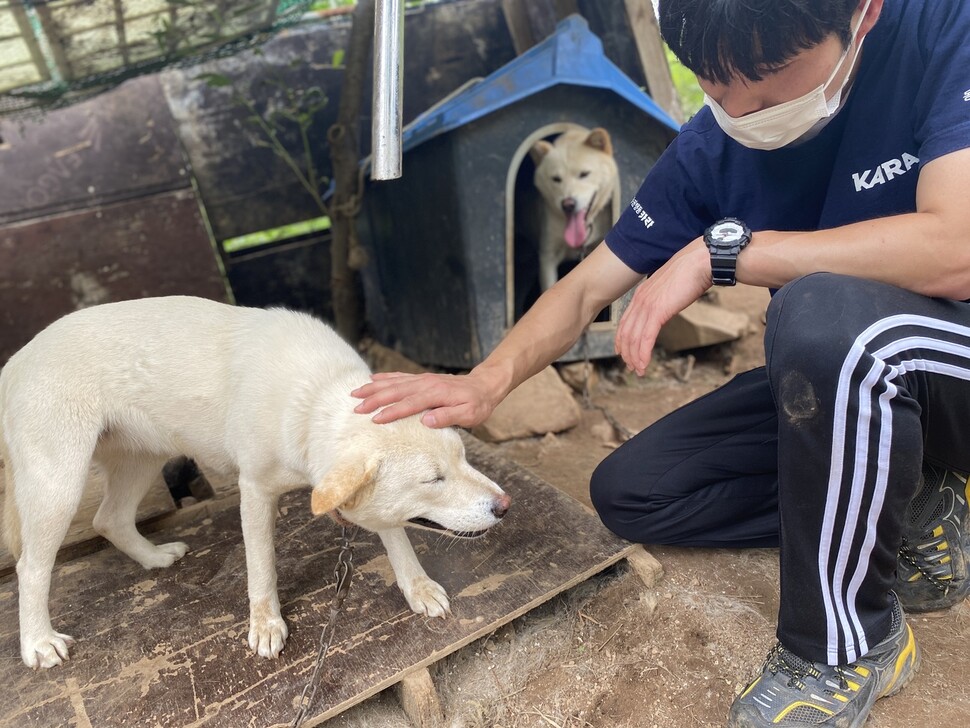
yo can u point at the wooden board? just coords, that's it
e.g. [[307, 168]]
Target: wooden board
[[168, 648], [246, 187], [118, 146], [153, 246]]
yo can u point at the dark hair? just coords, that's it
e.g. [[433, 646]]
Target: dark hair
[[721, 39]]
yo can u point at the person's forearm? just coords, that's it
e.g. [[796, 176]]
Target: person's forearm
[[927, 251], [556, 321], [546, 331], [915, 251]]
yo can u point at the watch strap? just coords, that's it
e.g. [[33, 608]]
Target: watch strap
[[724, 255], [724, 269]]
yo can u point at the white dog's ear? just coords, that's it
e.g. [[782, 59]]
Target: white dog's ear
[[599, 138], [539, 150], [344, 481]]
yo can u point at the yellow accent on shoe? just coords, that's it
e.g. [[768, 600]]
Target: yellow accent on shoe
[[907, 655], [749, 688], [853, 686], [938, 531], [840, 696], [798, 704], [860, 670]]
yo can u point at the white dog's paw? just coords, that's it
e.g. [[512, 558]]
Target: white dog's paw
[[48, 651], [164, 555], [267, 635], [427, 597]]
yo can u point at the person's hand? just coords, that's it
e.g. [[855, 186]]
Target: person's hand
[[464, 400], [676, 285]]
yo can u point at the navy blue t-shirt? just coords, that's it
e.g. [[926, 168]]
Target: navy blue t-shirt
[[908, 105]]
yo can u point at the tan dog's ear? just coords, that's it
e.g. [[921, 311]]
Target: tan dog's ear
[[539, 150], [341, 484], [599, 138]]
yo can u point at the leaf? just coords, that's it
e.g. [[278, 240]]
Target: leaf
[[338, 58], [214, 80]]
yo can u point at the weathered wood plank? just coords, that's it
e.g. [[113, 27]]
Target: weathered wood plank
[[653, 58], [169, 647], [419, 699], [246, 187], [154, 246], [115, 147]]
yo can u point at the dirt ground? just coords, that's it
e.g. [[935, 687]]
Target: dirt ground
[[613, 653]]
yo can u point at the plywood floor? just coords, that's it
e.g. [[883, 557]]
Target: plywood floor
[[168, 648]]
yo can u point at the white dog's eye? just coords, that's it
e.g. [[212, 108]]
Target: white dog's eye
[[584, 174], [557, 179], [436, 479]]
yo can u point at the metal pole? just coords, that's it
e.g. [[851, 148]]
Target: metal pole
[[388, 89]]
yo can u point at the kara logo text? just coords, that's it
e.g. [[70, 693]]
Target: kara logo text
[[884, 172]]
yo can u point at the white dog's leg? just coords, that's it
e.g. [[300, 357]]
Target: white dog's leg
[[267, 630], [424, 596], [47, 500], [128, 479], [548, 269]]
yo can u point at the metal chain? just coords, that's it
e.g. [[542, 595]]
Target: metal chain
[[343, 574]]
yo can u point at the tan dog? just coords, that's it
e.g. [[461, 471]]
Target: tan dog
[[577, 177], [123, 387]]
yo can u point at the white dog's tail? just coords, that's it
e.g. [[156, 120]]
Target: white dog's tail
[[11, 519]]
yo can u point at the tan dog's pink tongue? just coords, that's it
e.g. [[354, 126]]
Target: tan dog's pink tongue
[[575, 234]]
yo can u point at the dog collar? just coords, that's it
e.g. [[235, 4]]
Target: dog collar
[[335, 515]]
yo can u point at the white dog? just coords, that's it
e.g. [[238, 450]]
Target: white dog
[[125, 386], [577, 178]]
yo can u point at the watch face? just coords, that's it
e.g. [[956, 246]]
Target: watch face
[[727, 233]]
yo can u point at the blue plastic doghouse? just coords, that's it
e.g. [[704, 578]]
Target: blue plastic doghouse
[[445, 261]]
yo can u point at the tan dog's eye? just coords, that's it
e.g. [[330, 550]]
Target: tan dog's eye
[[557, 179], [584, 174]]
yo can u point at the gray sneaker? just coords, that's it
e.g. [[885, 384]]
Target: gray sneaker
[[796, 693], [933, 567]]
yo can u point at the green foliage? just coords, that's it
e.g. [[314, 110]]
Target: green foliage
[[691, 96], [285, 232], [215, 80], [331, 4], [290, 109]]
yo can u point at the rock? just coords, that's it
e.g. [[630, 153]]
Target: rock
[[646, 566], [382, 359], [538, 406], [575, 375], [603, 431], [702, 324]]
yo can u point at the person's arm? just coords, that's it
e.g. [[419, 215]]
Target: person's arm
[[927, 251], [547, 330]]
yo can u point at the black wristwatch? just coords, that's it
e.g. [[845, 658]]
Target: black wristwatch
[[725, 239]]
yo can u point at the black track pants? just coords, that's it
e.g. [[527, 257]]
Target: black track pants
[[819, 453]]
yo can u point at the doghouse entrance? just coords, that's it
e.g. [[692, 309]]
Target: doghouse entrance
[[523, 228]]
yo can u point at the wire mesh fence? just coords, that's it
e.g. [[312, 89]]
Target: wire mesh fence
[[54, 52]]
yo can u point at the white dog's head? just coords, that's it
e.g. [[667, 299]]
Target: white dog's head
[[576, 176], [406, 474]]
